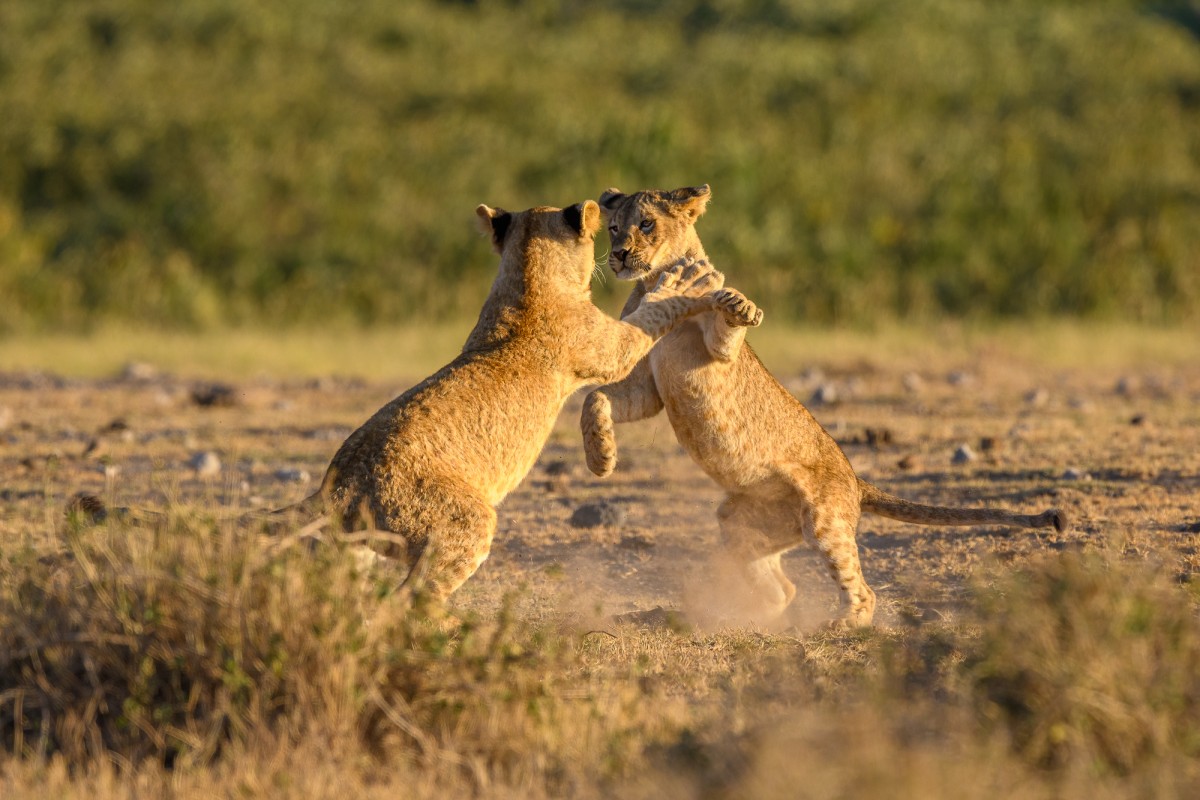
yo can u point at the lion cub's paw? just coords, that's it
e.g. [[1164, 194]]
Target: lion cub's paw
[[737, 309], [690, 277]]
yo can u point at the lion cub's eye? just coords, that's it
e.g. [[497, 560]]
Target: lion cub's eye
[[612, 228], [647, 225]]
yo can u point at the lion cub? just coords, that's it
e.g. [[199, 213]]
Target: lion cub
[[430, 466], [786, 477]]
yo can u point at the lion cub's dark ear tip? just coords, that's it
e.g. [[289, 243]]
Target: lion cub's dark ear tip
[[573, 215], [610, 197], [494, 223]]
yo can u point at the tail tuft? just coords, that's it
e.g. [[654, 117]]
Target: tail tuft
[[1058, 518]]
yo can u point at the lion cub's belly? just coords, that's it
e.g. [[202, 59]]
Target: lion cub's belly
[[704, 404]]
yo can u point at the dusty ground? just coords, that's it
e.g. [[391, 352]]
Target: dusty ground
[[1118, 449]]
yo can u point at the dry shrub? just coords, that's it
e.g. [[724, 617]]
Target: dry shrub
[[177, 642], [1090, 661]]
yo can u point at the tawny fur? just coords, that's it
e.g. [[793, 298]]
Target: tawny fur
[[787, 479], [430, 466]]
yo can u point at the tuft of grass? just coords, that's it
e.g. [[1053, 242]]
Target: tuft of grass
[[1088, 661]]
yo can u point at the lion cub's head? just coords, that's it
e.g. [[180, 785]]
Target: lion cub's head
[[650, 230], [549, 248]]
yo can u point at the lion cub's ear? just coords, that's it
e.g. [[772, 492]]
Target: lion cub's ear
[[691, 200], [611, 198], [494, 223], [584, 218]]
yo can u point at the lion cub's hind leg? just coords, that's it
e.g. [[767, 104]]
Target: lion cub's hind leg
[[834, 536], [749, 582], [457, 533]]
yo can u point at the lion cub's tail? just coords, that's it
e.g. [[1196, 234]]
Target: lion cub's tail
[[877, 501]]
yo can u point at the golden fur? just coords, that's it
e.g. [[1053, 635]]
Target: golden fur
[[786, 478], [430, 466]]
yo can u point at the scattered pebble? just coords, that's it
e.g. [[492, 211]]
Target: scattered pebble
[[963, 455], [825, 395], [1081, 404], [1127, 386], [913, 383], [878, 437], [960, 378], [6, 417], [595, 515], [1037, 397], [989, 444], [558, 468], [292, 475], [1137, 419], [909, 462], [205, 463], [214, 395], [138, 372], [1073, 474]]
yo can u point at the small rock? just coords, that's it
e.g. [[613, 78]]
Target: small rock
[[1081, 404], [1137, 419], [292, 475], [909, 462], [1037, 397], [963, 455], [878, 437], [1073, 474], [205, 464], [960, 378], [6, 417], [595, 515], [913, 383], [138, 372], [825, 395], [1127, 386], [989, 444], [214, 395], [558, 468]]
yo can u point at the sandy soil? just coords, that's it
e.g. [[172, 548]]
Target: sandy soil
[[1118, 450]]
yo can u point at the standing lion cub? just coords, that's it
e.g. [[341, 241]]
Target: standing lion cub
[[786, 477], [430, 466]]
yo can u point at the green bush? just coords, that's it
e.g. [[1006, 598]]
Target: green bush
[[197, 163]]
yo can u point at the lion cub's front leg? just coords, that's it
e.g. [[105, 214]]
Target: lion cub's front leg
[[723, 337], [628, 400]]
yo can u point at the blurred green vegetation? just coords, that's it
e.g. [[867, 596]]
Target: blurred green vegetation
[[206, 162]]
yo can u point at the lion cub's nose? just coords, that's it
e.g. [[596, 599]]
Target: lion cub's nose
[[619, 255]]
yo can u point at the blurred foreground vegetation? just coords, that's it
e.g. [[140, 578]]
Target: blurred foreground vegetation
[[189, 659], [205, 162]]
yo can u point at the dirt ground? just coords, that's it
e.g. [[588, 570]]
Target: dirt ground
[[1118, 450]]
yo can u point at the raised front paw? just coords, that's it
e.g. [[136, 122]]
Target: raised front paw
[[599, 443], [738, 310], [690, 277]]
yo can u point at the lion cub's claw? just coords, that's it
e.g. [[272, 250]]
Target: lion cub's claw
[[690, 277], [737, 309]]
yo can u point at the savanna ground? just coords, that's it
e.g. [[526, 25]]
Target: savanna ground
[[191, 657]]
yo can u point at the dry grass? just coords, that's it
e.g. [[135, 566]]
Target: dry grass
[[190, 658], [416, 350]]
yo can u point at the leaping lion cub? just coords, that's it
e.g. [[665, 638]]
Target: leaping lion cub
[[787, 479], [430, 466]]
